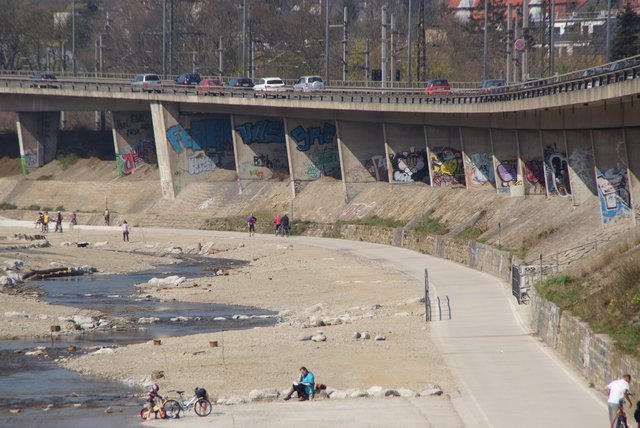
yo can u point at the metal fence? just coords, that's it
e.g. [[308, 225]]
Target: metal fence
[[443, 306]]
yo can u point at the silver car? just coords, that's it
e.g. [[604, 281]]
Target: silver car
[[146, 83], [309, 84]]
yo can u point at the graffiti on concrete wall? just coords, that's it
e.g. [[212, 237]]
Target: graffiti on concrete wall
[[377, 167], [356, 210], [326, 160], [30, 158], [507, 174], [448, 168], [614, 196], [305, 138], [213, 136], [556, 170], [581, 162], [262, 131], [479, 170], [198, 162], [409, 166], [534, 176], [144, 151], [134, 125], [180, 139]]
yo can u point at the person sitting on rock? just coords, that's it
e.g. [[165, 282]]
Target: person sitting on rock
[[305, 386]]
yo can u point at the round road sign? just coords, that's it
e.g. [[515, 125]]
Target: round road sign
[[519, 45]]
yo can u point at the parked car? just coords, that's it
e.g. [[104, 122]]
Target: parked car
[[270, 85], [493, 86], [239, 83], [146, 83], [210, 86], [43, 80], [533, 82], [309, 84], [437, 87], [187, 79]]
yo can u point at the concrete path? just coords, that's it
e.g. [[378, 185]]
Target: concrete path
[[506, 377]]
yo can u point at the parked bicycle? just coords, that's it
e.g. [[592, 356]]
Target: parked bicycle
[[199, 403], [158, 409]]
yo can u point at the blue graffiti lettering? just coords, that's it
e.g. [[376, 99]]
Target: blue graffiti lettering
[[212, 134], [305, 138], [178, 138], [263, 131]]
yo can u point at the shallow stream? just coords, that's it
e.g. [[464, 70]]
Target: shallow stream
[[32, 383]]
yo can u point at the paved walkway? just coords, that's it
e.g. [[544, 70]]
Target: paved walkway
[[506, 377]]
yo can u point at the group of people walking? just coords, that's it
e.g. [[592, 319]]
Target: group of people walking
[[282, 225], [44, 218]]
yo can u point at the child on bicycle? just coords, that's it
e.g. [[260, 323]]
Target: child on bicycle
[[152, 394]]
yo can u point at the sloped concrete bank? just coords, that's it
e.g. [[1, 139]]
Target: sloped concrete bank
[[593, 355]]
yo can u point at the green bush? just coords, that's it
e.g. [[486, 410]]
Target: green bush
[[469, 233], [373, 221], [33, 207], [7, 206], [67, 159], [44, 178], [431, 226], [60, 208]]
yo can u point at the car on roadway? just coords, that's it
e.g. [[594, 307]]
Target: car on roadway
[[213, 86], [533, 82], [270, 85], [493, 86], [309, 84], [437, 87], [148, 82], [239, 83], [187, 79], [43, 80]]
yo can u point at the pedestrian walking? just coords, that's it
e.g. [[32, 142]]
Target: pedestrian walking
[[45, 222], [251, 224], [619, 391], [278, 222], [125, 231], [58, 222], [107, 216]]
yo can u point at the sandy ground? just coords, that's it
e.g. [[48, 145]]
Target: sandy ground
[[307, 286]]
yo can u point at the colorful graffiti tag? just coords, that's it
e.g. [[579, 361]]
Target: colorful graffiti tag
[[534, 176], [447, 166], [199, 162], [143, 151], [262, 131], [409, 166], [507, 173], [614, 196], [556, 171], [180, 139], [479, 170], [377, 167], [305, 138]]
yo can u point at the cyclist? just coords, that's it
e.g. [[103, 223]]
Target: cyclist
[[152, 394], [618, 392]]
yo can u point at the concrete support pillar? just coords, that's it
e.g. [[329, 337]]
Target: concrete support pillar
[[632, 143], [406, 153], [164, 116], [531, 158], [38, 138], [387, 152], [342, 167], [289, 144]]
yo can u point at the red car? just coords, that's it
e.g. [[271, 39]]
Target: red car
[[210, 87], [437, 87]]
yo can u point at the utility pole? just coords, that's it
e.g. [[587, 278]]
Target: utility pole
[[326, 41], [393, 50], [164, 38], [485, 48], [509, 42], [73, 36], [608, 29], [220, 64], [345, 36], [552, 23], [244, 38], [367, 68], [525, 36], [383, 62], [409, 26], [422, 47]]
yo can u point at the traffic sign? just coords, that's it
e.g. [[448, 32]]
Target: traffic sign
[[519, 44]]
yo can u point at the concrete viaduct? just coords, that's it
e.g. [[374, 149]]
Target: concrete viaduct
[[570, 144]]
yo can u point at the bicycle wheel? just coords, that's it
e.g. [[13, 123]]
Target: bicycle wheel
[[202, 407], [143, 413], [172, 409], [162, 413]]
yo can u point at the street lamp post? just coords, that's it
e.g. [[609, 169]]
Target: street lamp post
[[485, 44], [73, 36]]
